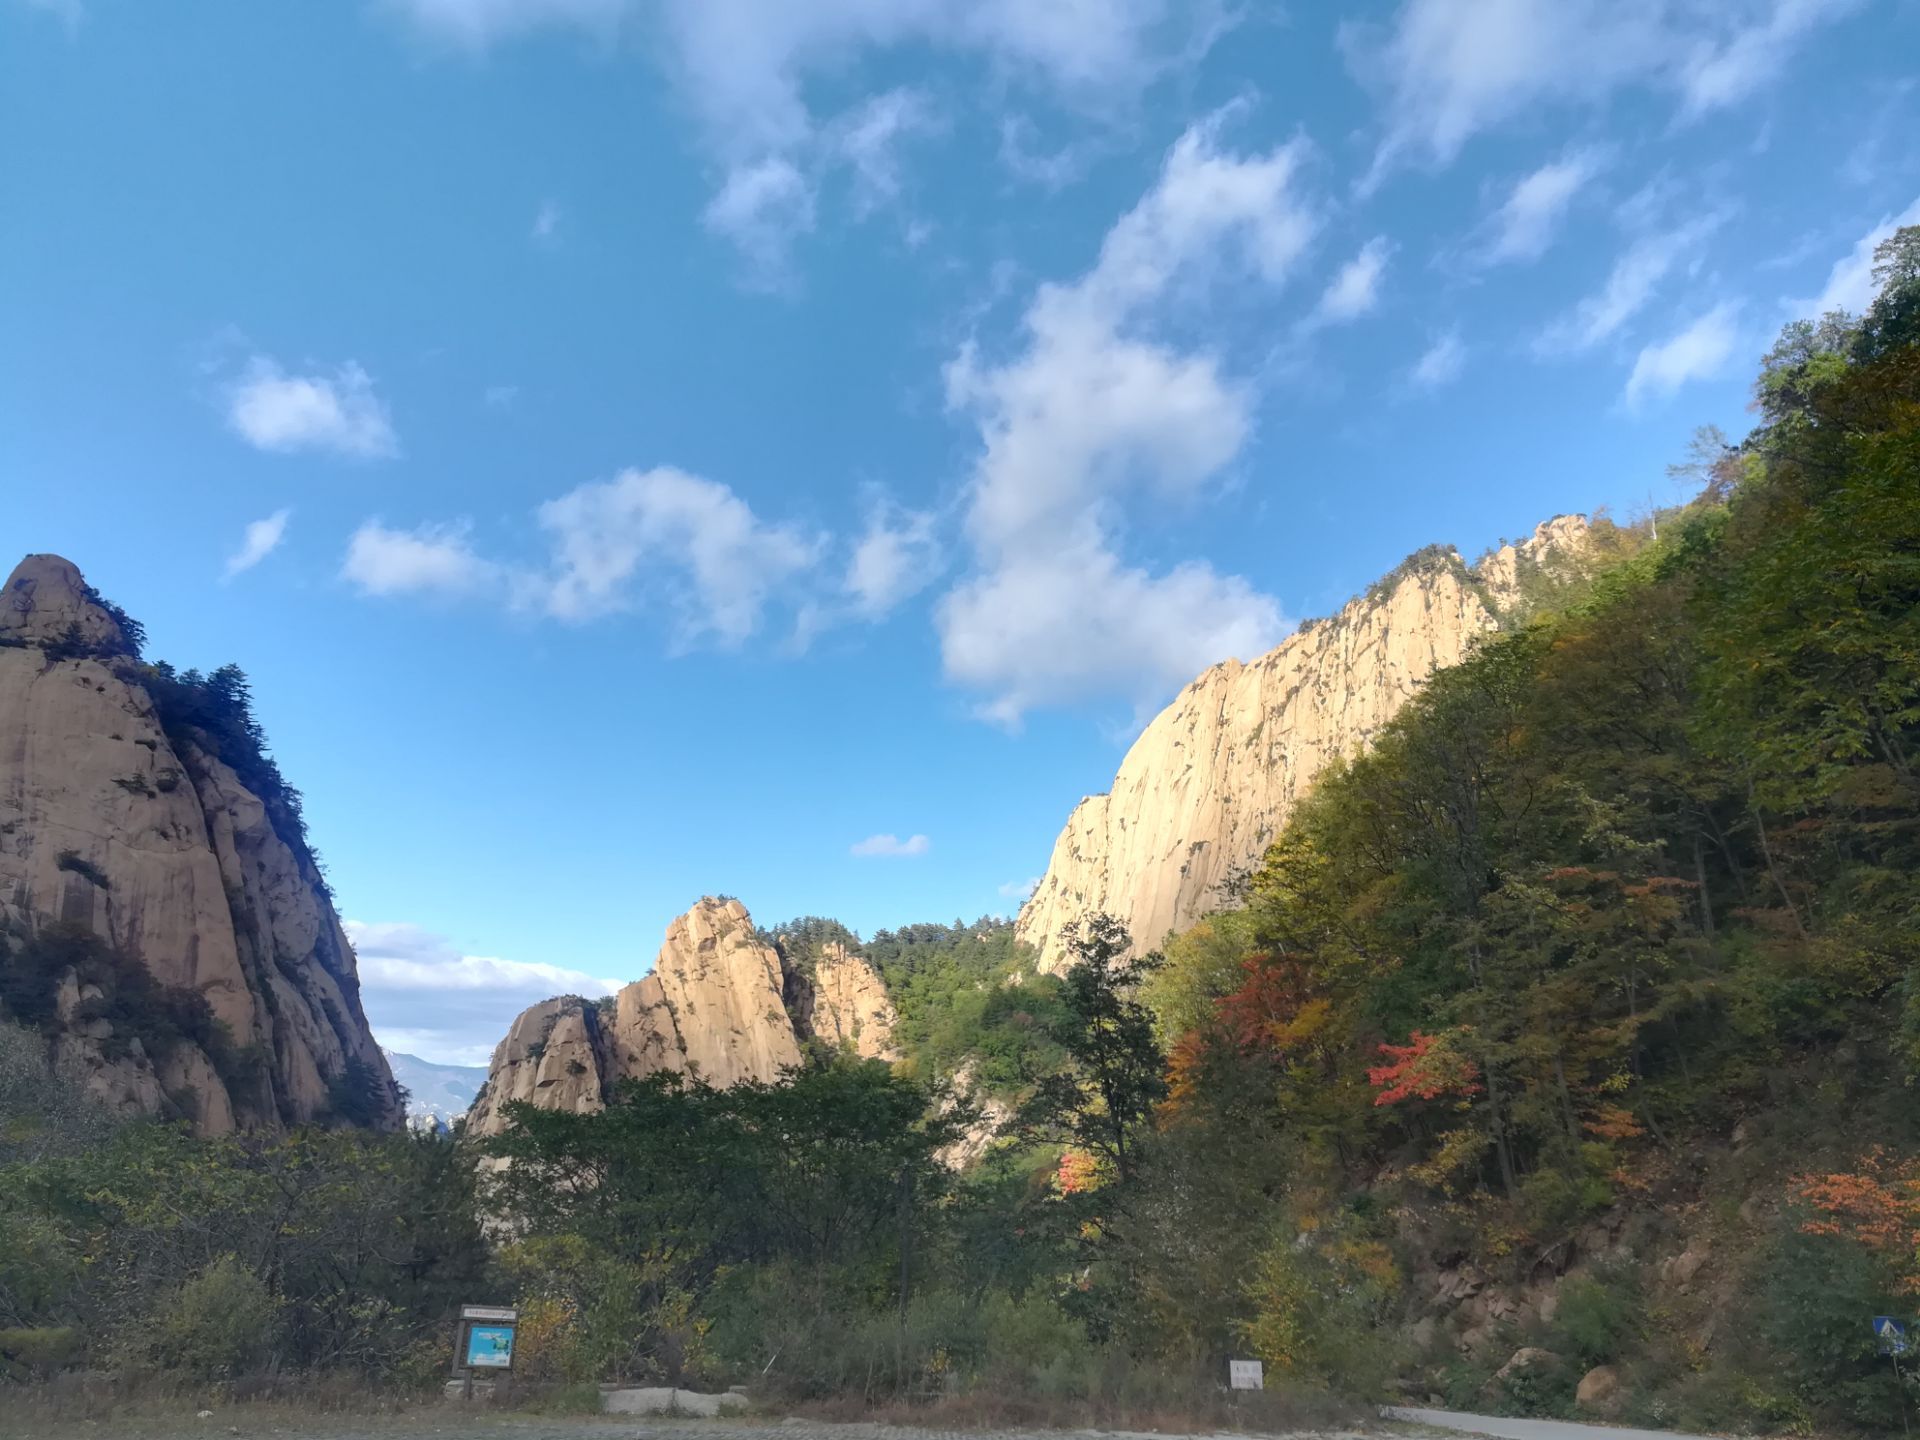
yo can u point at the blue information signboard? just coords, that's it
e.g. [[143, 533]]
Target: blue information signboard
[[490, 1347], [486, 1338], [1891, 1333]]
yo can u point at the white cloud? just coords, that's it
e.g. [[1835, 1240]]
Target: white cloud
[[424, 997], [763, 206], [1095, 406], [611, 535], [501, 397], [546, 222], [743, 69], [897, 556], [1695, 353], [1850, 284], [1356, 289], [1441, 363], [1726, 70], [1448, 69], [868, 138], [1038, 630], [1631, 283], [432, 559], [262, 537], [1021, 890], [1526, 221], [889, 847], [338, 411]]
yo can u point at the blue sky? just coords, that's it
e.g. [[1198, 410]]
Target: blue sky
[[640, 450]]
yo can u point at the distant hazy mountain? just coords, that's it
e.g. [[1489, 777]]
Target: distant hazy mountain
[[441, 1091]]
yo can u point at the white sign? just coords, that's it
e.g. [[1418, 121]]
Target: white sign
[[488, 1312], [1245, 1375]]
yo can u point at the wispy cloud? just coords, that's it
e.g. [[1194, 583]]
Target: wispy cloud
[[1441, 362], [1527, 220], [261, 539], [546, 222], [889, 847], [1355, 290], [1635, 278], [1850, 284], [1447, 70], [1698, 351]]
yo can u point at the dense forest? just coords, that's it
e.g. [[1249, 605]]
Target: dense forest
[[1558, 1060]]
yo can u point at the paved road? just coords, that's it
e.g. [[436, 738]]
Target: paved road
[[1507, 1429], [260, 1423], [454, 1424]]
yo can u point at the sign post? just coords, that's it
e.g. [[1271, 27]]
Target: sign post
[[485, 1343], [1891, 1334], [1245, 1375]]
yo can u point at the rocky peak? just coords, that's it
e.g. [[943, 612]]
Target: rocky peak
[[1213, 777], [47, 600], [721, 1005], [140, 874]]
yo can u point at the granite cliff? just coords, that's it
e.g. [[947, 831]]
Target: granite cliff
[[1212, 779], [721, 1005], [162, 919]]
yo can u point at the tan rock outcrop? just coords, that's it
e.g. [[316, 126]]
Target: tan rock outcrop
[[553, 1057], [720, 1005], [991, 1116], [117, 822], [847, 1005], [1213, 777]]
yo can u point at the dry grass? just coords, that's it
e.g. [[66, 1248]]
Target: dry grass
[[110, 1402]]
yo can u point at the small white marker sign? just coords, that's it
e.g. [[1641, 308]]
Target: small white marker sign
[[1245, 1375]]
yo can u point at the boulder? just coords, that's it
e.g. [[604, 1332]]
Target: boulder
[[1529, 1357], [1680, 1270], [665, 1400], [1599, 1390]]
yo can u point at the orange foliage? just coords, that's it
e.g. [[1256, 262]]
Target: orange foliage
[[1274, 1014], [1612, 1122], [1079, 1172], [1426, 1068], [1877, 1206]]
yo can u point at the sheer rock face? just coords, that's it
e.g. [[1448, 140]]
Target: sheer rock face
[[153, 843], [715, 1007], [1211, 780], [846, 1003]]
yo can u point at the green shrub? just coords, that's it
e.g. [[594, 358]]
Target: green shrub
[[223, 1322], [35, 1353], [1598, 1317]]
